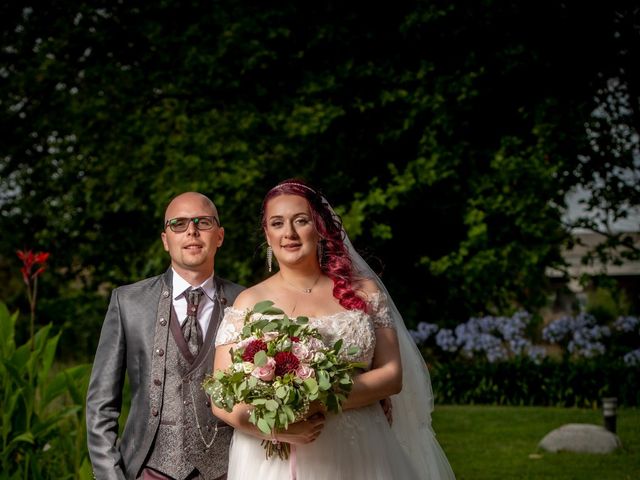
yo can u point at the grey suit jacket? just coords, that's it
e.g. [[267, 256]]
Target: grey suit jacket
[[133, 341]]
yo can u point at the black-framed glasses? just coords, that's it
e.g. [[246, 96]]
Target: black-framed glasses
[[181, 224]]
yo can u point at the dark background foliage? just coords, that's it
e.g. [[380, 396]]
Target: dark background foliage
[[446, 135]]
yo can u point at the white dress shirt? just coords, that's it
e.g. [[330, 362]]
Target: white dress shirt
[[205, 308]]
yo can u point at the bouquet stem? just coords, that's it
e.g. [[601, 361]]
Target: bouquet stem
[[274, 447]]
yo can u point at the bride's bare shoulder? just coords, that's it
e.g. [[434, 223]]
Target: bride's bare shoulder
[[252, 295]]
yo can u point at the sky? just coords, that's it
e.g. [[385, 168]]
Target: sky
[[575, 210]]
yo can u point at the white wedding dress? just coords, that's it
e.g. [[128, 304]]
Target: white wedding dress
[[357, 444]]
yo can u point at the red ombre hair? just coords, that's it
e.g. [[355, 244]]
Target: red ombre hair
[[336, 263]]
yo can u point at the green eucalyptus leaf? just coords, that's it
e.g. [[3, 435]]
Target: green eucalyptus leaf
[[260, 358], [263, 426]]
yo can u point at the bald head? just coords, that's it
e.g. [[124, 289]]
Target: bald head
[[190, 201]]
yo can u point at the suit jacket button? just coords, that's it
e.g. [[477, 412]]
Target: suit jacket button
[[157, 382], [160, 352], [208, 403], [163, 322], [154, 412], [165, 294]]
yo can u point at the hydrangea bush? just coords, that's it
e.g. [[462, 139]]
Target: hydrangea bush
[[571, 361], [503, 338]]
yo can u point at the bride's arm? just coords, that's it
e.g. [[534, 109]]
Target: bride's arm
[[304, 431], [385, 377]]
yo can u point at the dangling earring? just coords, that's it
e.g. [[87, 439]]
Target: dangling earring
[[269, 257], [320, 252]]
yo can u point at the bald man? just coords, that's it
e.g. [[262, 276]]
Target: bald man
[[170, 432]]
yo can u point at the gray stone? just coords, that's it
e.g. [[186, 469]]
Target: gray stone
[[580, 437]]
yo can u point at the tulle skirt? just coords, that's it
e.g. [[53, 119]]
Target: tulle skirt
[[355, 445]]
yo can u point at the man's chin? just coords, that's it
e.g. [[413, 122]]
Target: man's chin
[[194, 261]]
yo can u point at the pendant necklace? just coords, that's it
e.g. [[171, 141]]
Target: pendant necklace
[[303, 290]]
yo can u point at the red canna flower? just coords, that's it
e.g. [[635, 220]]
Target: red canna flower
[[30, 260], [30, 277]]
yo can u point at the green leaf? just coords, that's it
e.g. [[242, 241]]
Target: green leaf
[[271, 326], [260, 358], [266, 308], [264, 426], [282, 392], [352, 351], [311, 385], [271, 405], [26, 437], [290, 413], [323, 380]]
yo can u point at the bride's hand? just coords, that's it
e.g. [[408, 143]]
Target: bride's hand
[[316, 407], [304, 431]]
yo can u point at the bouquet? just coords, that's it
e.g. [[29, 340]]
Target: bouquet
[[279, 367]]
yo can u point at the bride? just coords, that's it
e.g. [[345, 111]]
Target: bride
[[322, 277]]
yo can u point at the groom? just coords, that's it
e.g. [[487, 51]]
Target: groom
[[160, 332]]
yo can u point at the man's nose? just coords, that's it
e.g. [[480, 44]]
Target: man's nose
[[192, 229]]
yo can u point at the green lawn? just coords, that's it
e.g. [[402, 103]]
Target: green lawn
[[488, 442]]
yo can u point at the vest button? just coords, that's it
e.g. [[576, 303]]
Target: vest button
[[154, 412], [157, 382], [163, 322], [165, 294], [160, 352]]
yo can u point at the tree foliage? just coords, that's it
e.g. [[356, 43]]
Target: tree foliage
[[463, 120]]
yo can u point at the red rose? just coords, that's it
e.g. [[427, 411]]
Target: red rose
[[253, 348], [285, 362]]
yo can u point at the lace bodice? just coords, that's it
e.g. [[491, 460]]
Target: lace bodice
[[355, 327]]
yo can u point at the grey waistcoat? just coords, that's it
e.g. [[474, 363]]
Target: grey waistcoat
[[181, 440]]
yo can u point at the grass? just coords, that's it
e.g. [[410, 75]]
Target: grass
[[491, 442]]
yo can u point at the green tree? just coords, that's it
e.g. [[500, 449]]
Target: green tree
[[465, 119]]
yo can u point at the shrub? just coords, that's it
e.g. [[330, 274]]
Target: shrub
[[42, 411], [498, 360]]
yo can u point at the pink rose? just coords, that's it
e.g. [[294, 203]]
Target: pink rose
[[315, 344], [302, 352], [265, 372], [305, 371]]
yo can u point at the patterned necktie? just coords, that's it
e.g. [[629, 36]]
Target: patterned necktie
[[191, 329]]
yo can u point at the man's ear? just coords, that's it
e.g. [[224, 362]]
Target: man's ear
[[163, 236]]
